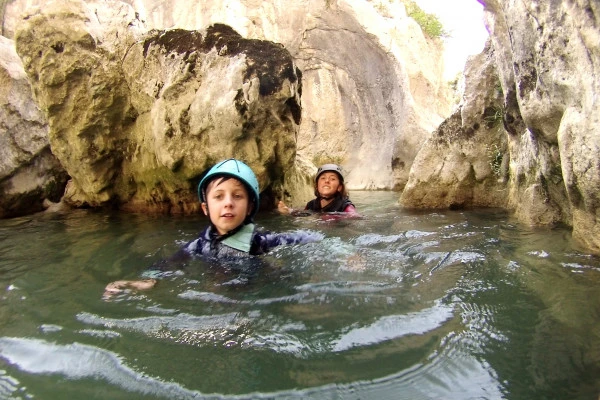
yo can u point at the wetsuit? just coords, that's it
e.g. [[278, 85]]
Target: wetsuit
[[339, 204], [246, 242], [234, 250]]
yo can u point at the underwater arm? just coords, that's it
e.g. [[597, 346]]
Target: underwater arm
[[150, 275], [118, 286], [269, 240]]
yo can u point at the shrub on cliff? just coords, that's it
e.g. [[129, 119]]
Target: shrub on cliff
[[429, 23]]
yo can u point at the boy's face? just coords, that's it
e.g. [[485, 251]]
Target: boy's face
[[329, 184], [227, 204]]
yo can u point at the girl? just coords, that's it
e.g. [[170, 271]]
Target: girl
[[330, 192]]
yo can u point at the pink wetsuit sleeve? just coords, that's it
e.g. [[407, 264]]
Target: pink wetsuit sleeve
[[350, 209]]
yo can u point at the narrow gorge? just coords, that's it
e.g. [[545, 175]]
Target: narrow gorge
[[124, 105]]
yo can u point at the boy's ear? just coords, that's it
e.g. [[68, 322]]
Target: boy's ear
[[250, 208], [204, 208]]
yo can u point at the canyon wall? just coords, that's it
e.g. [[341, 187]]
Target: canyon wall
[[531, 108], [369, 92]]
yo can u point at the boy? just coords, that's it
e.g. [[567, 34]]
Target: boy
[[229, 196]]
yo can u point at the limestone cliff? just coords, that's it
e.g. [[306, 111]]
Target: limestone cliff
[[136, 116], [463, 164], [372, 86], [546, 58], [29, 172]]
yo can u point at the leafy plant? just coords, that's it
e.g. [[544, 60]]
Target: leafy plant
[[429, 23], [495, 157]]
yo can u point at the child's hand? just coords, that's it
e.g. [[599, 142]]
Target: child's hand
[[282, 208], [117, 287]]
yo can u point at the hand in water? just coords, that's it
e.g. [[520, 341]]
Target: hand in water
[[283, 208], [117, 287]]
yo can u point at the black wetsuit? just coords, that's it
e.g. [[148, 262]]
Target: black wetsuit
[[338, 204], [219, 251]]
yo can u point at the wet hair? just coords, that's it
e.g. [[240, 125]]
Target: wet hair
[[222, 179]]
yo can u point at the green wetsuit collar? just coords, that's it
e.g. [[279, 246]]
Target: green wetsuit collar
[[242, 239]]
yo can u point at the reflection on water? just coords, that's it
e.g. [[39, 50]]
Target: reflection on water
[[397, 305]]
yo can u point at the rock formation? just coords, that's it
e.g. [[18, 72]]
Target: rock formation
[[525, 137], [464, 163], [29, 172], [372, 86], [546, 60], [135, 117]]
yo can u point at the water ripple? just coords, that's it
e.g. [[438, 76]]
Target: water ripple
[[78, 361], [345, 287], [445, 377], [230, 321], [216, 298], [8, 386], [395, 326]]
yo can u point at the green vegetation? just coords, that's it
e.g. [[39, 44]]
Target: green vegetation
[[456, 87], [495, 156], [493, 116], [429, 23], [498, 89]]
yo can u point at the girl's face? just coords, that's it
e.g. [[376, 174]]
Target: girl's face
[[227, 204], [329, 184]]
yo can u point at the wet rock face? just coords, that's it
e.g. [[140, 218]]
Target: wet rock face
[[371, 84], [464, 163], [29, 172], [546, 58], [136, 116]]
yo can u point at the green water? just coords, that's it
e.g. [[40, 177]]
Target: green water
[[397, 305]]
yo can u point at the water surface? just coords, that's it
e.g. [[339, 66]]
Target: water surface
[[397, 305]]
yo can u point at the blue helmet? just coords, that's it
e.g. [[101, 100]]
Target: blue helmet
[[235, 169]]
